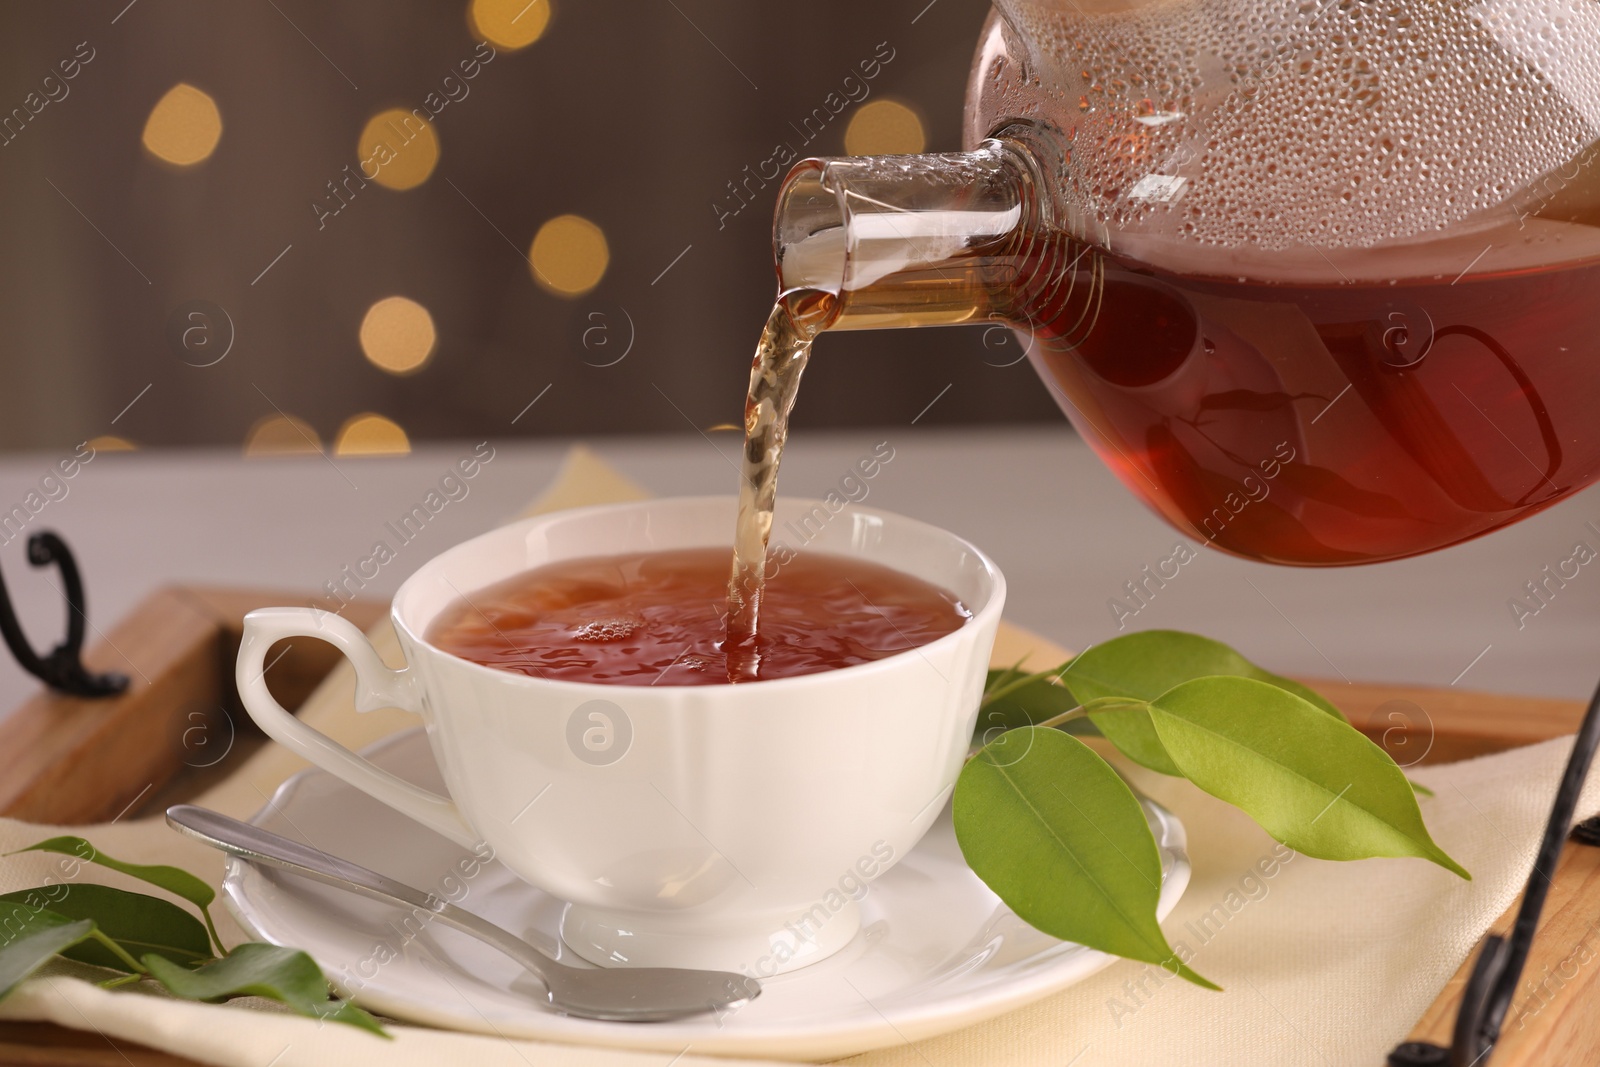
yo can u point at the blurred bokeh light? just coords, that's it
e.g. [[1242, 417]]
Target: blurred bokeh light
[[398, 149], [509, 24], [884, 128], [397, 335], [371, 435], [281, 435], [569, 255], [184, 126]]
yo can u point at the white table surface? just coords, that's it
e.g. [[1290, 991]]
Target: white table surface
[[1061, 527]]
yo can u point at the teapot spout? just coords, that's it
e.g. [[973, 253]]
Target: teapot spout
[[915, 240]]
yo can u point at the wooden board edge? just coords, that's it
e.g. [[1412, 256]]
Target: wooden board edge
[[1439, 724], [47, 1045]]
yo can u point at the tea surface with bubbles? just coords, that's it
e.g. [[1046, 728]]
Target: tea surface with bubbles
[[660, 618]]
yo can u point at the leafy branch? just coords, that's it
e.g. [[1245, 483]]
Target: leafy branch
[[1048, 825], [145, 937]]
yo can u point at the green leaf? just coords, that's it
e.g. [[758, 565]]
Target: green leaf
[[253, 969], [1312, 781], [1144, 665], [1057, 834], [999, 676], [1014, 698], [30, 936], [174, 880], [140, 924]]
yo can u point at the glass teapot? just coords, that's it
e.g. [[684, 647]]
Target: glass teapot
[[1318, 279]]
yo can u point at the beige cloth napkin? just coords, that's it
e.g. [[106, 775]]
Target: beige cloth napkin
[[1323, 962]]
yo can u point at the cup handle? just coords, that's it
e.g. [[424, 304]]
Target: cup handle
[[376, 687]]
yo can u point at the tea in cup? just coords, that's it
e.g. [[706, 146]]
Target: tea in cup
[[686, 821]]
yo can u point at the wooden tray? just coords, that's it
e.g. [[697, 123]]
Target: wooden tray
[[64, 760], [69, 760]]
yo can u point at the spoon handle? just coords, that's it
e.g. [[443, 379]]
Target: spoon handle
[[253, 843], [262, 846]]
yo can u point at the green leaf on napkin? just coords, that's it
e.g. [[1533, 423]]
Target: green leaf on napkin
[[1053, 830], [253, 969], [139, 924], [145, 936], [174, 880], [31, 936], [1310, 780], [1142, 666]]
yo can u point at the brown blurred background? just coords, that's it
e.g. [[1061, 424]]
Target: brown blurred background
[[199, 223]]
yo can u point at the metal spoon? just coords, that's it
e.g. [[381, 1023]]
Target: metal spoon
[[623, 994]]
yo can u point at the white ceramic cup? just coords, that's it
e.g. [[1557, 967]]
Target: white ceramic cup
[[725, 826]]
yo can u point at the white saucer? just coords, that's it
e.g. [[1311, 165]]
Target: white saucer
[[937, 950]]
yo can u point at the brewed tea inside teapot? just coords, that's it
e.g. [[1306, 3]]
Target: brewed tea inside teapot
[[1319, 281]]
